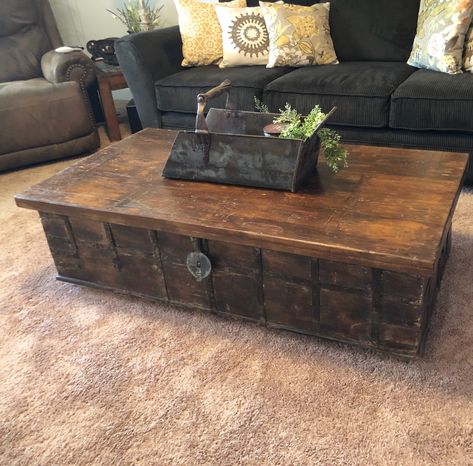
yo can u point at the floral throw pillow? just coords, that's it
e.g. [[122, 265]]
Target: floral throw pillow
[[244, 35], [200, 31], [298, 35], [468, 56], [440, 36]]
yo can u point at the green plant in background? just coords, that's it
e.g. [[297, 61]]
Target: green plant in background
[[295, 126], [138, 15]]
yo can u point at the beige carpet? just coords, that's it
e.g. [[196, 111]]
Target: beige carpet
[[90, 377]]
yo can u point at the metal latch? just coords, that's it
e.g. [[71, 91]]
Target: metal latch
[[199, 265]]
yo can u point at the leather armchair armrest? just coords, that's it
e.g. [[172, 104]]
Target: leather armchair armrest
[[72, 66]]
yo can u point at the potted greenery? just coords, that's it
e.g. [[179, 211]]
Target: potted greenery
[[292, 125], [138, 15]]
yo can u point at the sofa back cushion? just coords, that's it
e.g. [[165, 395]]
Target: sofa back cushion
[[370, 30], [373, 30], [23, 40]]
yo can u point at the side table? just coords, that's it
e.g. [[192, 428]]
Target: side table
[[110, 78]]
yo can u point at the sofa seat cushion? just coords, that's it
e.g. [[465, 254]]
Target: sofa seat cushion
[[430, 100], [178, 92], [360, 90], [37, 113]]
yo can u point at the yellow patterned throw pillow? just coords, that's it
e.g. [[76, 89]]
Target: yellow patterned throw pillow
[[245, 37], [200, 31], [298, 35], [440, 36]]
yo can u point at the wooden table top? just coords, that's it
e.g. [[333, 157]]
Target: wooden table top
[[390, 209]]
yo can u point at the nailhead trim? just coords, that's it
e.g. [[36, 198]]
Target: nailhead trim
[[85, 71]]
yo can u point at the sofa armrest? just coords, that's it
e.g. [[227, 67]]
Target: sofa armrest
[[144, 58], [72, 66]]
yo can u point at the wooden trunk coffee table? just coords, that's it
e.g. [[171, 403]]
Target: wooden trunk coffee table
[[356, 257]]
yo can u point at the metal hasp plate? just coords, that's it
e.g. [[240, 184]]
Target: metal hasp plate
[[229, 146], [199, 265]]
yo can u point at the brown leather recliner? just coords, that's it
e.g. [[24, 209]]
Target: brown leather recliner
[[44, 109]]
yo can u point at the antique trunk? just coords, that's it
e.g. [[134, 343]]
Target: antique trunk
[[346, 302], [356, 257]]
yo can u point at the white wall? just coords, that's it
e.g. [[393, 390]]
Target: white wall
[[82, 20]]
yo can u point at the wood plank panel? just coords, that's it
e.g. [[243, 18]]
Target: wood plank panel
[[289, 266], [345, 314], [289, 305], [141, 275], [237, 279], [345, 275], [238, 294], [289, 291], [181, 286]]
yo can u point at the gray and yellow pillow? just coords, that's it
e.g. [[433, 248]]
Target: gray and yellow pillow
[[440, 36], [298, 35], [468, 54], [200, 31]]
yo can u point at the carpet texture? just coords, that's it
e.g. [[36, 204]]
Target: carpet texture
[[92, 377]]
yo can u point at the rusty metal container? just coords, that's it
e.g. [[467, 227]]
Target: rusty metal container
[[229, 146]]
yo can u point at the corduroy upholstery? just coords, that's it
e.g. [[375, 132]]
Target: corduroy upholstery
[[178, 92], [360, 90], [373, 30], [429, 100]]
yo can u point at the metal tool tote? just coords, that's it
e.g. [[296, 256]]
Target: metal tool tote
[[229, 146]]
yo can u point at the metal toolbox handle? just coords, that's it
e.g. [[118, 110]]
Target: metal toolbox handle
[[202, 99]]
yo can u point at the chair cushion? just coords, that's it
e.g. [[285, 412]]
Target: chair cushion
[[360, 90], [20, 54], [37, 113], [375, 30], [178, 92], [430, 100], [16, 15], [23, 40]]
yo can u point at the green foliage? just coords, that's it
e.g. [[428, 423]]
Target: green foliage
[[260, 106], [299, 127], [335, 155], [295, 126], [135, 18]]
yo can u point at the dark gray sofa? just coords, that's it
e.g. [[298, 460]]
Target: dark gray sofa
[[44, 108], [381, 100]]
